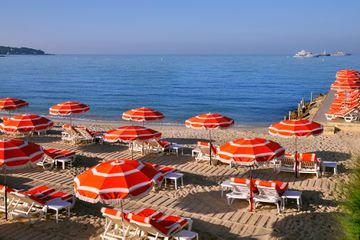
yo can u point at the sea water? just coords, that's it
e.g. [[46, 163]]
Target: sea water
[[254, 90]]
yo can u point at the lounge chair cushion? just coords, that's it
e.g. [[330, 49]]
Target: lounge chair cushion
[[57, 153], [279, 186]]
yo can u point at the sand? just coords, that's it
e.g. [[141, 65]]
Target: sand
[[200, 197]]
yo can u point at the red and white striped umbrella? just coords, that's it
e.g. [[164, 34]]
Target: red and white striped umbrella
[[130, 133], [68, 108], [115, 180], [11, 104], [339, 86], [19, 154], [295, 128], [209, 121], [248, 152], [349, 79], [8, 104], [26, 123], [142, 114]]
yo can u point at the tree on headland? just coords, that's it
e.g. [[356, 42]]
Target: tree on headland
[[20, 51]]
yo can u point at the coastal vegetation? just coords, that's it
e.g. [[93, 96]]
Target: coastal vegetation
[[350, 218], [20, 51]]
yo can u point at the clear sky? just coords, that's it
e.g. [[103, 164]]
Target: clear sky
[[181, 26]]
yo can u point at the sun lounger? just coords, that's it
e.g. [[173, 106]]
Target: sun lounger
[[240, 190], [307, 163], [155, 224], [268, 194], [88, 135], [116, 225], [54, 155], [70, 134], [204, 152], [38, 200], [10, 199]]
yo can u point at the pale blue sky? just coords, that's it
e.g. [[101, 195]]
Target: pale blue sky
[[181, 26]]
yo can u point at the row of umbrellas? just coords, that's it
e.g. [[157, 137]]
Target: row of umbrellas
[[115, 180]]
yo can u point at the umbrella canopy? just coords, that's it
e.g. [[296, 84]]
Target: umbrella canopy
[[344, 86], [19, 154], [209, 121], [142, 114], [68, 108], [248, 152], [130, 133], [295, 128], [26, 123], [115, 180], [9, 104]]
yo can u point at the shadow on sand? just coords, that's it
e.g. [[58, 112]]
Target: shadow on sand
[[307, 226]]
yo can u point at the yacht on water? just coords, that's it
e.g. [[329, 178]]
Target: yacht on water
[[339, 54], [305, 54]]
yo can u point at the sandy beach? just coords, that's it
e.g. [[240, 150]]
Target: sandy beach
[[200, 197]]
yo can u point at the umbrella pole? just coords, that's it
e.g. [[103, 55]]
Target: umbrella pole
[[70, 121], [132, 150], [5, 196], [251, 192], [210, 144], [296, 158]]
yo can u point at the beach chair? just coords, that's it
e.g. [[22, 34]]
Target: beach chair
[[157, 146], [287, 163], [349, 112], [204, 154], [240, 190], [70, 134], [268, 195], [155, 224], [88, 135], [10, 199], [309, 163], [55, 156], [38, 200], [117, 225]]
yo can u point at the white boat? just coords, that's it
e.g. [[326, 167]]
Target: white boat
[[339, 54], [305, 54]]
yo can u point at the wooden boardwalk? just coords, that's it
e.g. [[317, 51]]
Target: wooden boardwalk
[[199, 199]]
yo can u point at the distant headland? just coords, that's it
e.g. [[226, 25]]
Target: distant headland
[[20, 51]]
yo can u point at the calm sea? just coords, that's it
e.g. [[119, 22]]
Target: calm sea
[[254, 90]]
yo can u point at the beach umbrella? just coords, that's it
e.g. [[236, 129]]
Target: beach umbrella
[[11, 104], [248, 152], [142, 115], [68, 109], [18, 154], [130, 134], [208, 122], [26, 123], [345, 86], [113, 181], [295, 129]]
